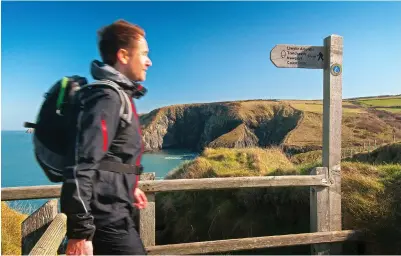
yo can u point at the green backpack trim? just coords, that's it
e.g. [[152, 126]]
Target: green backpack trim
[[61, 93]]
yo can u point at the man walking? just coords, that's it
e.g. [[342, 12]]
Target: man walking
[[100, 188]]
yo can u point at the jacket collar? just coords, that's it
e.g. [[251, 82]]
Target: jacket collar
[[100, 70]]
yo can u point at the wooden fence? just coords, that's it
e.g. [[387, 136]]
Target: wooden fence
[[322, 233], [366, 147]]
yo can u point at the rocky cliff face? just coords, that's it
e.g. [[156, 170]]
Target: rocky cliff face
[[294, 124], [229, 124]]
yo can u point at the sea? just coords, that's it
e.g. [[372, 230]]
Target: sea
[[19, 166]]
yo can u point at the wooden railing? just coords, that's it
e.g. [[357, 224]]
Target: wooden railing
[[153, 186], [51, 239], [322, 200]]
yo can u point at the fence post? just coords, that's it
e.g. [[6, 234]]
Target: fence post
[[332, 119], [319, 211], [35, 225], [147, 216]]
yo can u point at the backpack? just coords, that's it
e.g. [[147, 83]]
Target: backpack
[[50, 132]]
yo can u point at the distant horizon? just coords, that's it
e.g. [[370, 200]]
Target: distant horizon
[[361, 97]]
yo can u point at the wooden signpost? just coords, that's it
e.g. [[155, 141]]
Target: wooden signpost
[[298, 56], [325, 204]]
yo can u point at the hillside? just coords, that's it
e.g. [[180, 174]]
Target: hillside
[[225, 162], [387, 103], [294, 124], [385, 154], [370, 200], [388, 154]]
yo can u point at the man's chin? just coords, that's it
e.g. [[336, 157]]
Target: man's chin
[[138, 78]]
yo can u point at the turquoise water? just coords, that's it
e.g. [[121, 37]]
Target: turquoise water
[[19, 167]]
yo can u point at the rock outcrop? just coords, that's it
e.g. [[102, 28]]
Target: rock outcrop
[[296, 125], [226, 124]]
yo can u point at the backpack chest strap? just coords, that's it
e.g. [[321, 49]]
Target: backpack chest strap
[[120, 167]]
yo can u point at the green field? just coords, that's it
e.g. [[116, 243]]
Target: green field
[[381, 102], [391, 110], [317, 107]]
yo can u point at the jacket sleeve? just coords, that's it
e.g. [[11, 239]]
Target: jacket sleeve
[[96, 124]]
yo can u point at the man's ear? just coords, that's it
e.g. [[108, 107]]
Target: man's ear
[[122, 56]]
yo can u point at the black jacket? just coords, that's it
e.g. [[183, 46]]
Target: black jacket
[[91, 196]]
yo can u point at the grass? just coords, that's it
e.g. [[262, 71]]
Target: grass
[[224, 162], [11, 230], [254, 109], [388, 154], [370, 200], [235, 136], [311, 107], [391, 110], [382, 102], [307, 157], [253, 113], [308, 132], [317, 107], [356, 130]]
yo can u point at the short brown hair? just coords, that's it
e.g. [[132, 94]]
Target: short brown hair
[[119, 34]]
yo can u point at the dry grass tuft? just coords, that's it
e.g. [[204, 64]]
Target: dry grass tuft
[[11, 230], [224, 162]]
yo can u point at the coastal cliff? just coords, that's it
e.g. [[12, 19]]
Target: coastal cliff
[[295, 125], [228, 124]]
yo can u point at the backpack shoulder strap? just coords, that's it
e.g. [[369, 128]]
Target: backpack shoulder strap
[[125, 109]]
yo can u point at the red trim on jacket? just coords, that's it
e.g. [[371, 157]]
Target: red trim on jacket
[[105, 135]]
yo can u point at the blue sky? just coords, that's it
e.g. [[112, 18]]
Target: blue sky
[[201, 51]]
